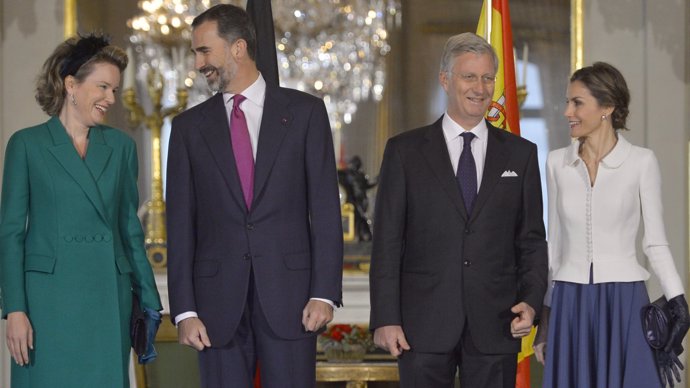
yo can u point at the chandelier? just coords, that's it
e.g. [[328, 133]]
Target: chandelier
[[334, 49], [161, 39]]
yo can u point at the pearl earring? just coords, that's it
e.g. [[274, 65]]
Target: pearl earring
[[603, 117]]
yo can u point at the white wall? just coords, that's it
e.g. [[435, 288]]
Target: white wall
[[31, 30]]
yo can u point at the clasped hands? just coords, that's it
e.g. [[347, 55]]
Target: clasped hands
[[192, 332], [392, 338]]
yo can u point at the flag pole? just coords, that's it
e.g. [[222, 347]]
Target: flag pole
[[488, 12], [261, 15]]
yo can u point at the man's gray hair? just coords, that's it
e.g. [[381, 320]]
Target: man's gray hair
[[467, 42]]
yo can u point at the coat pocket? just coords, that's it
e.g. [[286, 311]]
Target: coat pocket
[[39, 263], [123, 264]]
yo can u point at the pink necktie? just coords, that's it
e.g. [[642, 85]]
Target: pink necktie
[[242, 149]]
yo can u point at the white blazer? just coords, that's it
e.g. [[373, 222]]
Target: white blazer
[[598, 225]]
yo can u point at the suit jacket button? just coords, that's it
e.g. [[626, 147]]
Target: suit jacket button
[[467, 263], [467, 231], [247, 256], [250, 226]]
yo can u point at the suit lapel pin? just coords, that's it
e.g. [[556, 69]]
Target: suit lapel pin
[[284, 120]]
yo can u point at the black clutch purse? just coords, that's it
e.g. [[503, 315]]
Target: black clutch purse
[[137, 327], [656, 323]]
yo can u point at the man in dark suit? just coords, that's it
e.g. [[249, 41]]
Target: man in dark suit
[[459, 260], [254, 228]]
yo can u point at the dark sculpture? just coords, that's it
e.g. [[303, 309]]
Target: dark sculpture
[[356, 183]]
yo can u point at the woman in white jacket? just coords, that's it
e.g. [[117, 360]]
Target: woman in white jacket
[[598, 189]]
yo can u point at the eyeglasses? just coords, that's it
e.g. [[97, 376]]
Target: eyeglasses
[[473, 78]]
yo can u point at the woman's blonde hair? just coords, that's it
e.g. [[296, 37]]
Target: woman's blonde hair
[[74, 57]]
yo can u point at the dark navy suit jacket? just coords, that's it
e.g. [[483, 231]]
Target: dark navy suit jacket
[[436, 268], [292, 237]]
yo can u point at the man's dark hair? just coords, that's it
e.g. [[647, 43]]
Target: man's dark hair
[[233, 24]]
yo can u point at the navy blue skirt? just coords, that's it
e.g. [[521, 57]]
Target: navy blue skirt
[[595, 337]]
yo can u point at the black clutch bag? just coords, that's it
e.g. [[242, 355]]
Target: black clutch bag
[[137, 327], [656, 323]]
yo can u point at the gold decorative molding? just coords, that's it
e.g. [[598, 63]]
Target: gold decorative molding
[[347, 211], [357, 374], [576, 35], [154, 218], [70, 18]]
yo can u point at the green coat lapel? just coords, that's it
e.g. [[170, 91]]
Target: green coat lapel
[[98, 153], [84, 172]]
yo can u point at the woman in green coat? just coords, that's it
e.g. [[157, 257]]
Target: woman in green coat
[[71, 245]]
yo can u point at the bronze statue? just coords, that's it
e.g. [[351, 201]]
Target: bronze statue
[[356, 183]]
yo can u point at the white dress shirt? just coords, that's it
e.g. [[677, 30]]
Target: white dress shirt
[[253, 108], [597, 225], [455, 142]]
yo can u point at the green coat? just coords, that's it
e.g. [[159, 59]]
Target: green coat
[[71, 251]]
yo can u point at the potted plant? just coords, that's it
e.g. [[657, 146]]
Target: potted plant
[[346, 343]]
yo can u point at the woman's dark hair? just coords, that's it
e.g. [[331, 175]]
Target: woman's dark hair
[[74, 57], [608, 87]]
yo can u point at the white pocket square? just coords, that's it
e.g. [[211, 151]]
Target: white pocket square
[[508, 173]]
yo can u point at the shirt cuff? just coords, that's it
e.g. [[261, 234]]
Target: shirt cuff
[[192, 314], [322, 300], [187, 314]]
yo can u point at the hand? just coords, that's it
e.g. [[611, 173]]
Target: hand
[[522, 324], [392, 339], [192, 332], [542, 333], [669, 367], [316, 314], [20, 337], [680, 323]]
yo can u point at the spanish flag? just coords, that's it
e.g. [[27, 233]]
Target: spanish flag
[[503, 113]]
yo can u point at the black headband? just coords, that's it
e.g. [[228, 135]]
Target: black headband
[[85, 48]]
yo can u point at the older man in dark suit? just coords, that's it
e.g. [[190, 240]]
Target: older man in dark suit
[[254, 228], [459, 261]]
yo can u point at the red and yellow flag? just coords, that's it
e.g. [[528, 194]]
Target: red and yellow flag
[[522, 379], [503, 112]]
